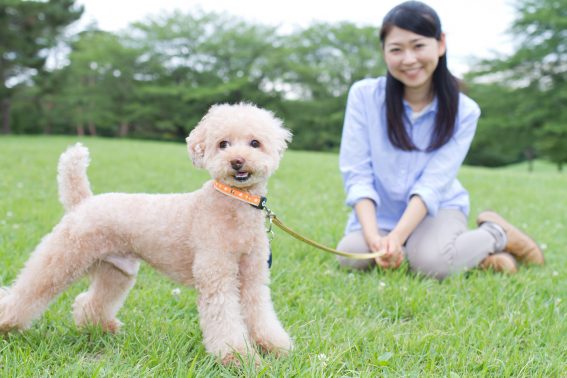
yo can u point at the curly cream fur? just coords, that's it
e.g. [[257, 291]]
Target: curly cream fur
[[204, 239]]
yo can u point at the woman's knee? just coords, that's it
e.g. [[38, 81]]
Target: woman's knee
[[431, 248], [430, 263]]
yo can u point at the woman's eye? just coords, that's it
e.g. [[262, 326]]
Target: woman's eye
[[255, 143], [224, 144]]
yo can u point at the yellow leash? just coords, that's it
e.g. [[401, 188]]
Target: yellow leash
[[357, 256], [260, 203]]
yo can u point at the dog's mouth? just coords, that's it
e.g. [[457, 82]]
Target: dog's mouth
[[242, 176]]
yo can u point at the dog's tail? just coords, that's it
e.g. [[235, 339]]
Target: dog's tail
[[74, 186]]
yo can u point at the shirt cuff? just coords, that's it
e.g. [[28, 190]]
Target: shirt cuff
[[356, 193]]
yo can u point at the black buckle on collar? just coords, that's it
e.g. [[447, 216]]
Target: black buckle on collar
[[262, 204]]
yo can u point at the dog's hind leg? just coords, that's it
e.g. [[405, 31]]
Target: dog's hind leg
[[257, 307], [61, 258], [106, 295]]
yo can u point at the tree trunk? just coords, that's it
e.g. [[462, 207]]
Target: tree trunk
[[5, 110], [80, 129], [530, 155], [48, 128], [92, 128], [123, 129]]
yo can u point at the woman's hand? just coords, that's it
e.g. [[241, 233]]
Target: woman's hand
[[393, 256], [392, 243], [392, 248]]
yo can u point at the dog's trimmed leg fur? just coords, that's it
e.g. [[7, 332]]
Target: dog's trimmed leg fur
[[224, 330], [61, 258], [106, 294], [258, 310]]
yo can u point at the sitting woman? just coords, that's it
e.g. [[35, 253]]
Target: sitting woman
[[404, 139]]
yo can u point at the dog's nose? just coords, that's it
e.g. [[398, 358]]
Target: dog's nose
[[237, 163]]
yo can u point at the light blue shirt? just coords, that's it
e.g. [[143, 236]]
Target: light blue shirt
[[373, 168]]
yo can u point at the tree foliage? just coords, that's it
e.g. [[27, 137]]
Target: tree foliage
[[321, 62], [28, 29], [158, 78], [532, 84]]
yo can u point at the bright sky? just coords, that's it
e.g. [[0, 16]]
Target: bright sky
[[473, 28]]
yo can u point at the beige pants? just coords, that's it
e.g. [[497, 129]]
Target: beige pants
[[439, 246]]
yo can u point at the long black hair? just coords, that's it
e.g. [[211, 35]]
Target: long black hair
[[421, 19]]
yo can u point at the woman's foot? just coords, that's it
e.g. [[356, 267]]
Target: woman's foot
[[524, 248], [500, 262]]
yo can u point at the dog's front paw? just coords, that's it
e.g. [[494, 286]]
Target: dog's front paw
[[279, 343], [239, 359], [110, 325]]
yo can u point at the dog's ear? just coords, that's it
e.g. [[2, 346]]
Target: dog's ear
[[281, 136], [285, 137], [196, 144]]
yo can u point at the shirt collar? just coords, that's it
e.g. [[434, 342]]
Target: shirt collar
[[431, 107]]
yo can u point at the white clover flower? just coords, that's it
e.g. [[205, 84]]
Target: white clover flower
[[323, 359]]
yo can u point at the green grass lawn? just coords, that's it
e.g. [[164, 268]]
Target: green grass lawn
[[344, 323]]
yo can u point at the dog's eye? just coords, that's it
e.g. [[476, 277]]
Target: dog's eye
[[255, 144], [223, 144]]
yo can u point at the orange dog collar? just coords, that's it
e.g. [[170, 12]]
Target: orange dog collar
[[251, 199]]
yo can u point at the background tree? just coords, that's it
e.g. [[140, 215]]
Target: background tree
[[537, 75], [157, 79], [501, 138], [27, 30], [196, 60], [99, 84], [321, 63]]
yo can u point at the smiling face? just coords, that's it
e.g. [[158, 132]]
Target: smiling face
[[240, 145], [412, 58]]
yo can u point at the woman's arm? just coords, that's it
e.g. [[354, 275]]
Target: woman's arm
[[412, 216], [365, 210], [393, 242], [355, 160], [442, 168]]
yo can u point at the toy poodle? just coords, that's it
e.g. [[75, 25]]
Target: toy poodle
[[205, 239]]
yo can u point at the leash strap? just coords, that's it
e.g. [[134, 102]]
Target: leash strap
[[357, 256]]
